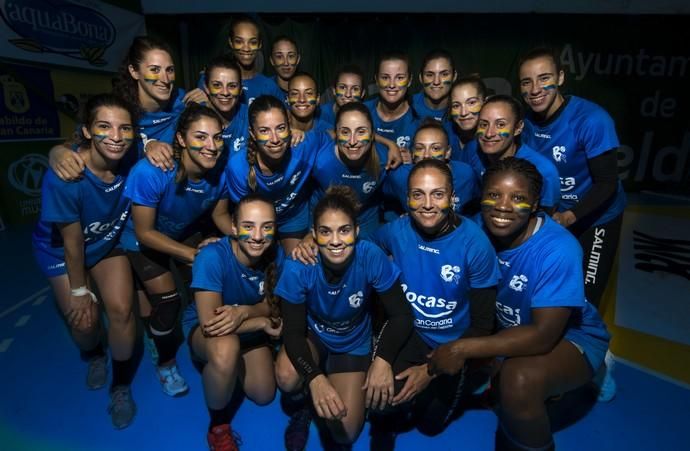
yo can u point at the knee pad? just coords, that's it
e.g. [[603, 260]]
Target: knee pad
[[165, 309]]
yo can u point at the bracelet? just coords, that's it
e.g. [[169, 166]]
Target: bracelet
[[83, 291], [147, 141]]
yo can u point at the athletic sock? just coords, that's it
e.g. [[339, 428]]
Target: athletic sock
[[167, 347], [218, 417], [123, 372], [97, 351]]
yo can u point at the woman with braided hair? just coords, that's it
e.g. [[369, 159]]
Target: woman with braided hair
[[276, 169], [233, 314], [551, 340]]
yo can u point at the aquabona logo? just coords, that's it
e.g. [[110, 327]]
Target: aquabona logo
[[59, 27]]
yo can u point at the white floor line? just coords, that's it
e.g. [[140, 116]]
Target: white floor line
[[39, 300], [24, 301], [22, 321], [4, 344], [656, 374]]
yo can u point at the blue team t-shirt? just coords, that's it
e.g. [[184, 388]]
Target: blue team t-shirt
[[339, 314], [236, 134], [289, 189], [546, 271], [100, 207], [161, 125], [465, 184], [327, 113], [401, 131], [579, 131], [330, 170], [177, 204], [437, 275]]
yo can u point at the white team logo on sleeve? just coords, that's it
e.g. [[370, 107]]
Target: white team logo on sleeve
[[368, 187], [559, 154], [261, 288], [450, 273], [356, 299], [518, 283]]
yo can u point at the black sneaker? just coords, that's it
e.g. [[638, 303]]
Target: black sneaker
[[122, 408], [297, 431]]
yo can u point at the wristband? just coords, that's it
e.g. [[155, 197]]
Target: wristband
[[83, 291], [147, 141]]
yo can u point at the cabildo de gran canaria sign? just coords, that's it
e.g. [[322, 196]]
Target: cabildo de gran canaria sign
[[91, 34]]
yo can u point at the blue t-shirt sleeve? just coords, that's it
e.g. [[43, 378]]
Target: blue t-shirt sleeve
[[237, 186], [382, 272], [560, 278], [597, 133], [145, 184], [551, 191], [291, 285], [482, 263], [60, 200], [208, 269]]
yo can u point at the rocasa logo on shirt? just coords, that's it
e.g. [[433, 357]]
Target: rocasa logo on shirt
[[508, 316], [98, 228], [421, 302]]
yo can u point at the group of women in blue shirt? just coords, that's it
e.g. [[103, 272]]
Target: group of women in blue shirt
[[475, 276]]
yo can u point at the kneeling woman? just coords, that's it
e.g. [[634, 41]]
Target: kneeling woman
[[76, 238], [164, 205], [233, 312], [552, 339], [327, 330]]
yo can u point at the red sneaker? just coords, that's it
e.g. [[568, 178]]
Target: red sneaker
[[222, 438]]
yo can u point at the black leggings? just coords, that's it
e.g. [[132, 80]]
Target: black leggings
[[599, 245]]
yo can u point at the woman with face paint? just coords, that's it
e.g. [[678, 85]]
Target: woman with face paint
[[394, 119], [245, 42], [348, 86], [498, 133], [77, 237], [233, 315], [551, 338], [580, 137], [327, 333], [431, 142], [285, 59], [223, 87], [449, 275], [437, 75], [165, 204], [146, 80], [303, 101], [274, 168], [467, 96]]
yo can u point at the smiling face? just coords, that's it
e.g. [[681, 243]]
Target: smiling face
[[302, 97], [254, 227], [429, 199], [465, 104], [497, 128], [111, 132], [348, 88], [335, 233], [202, 143], [155, 76], [539, 85], [354, 136], [507, 205], [245, 43], [271, 132], [393, 79], [437, 76], [285, 59], [430, 143], [223, 86]]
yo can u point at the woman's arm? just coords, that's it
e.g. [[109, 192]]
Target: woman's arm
[[73, 240], [538, 337], [144, 226]]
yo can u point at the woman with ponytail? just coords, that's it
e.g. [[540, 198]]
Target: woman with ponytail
[[234, 313], [165, 204]]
